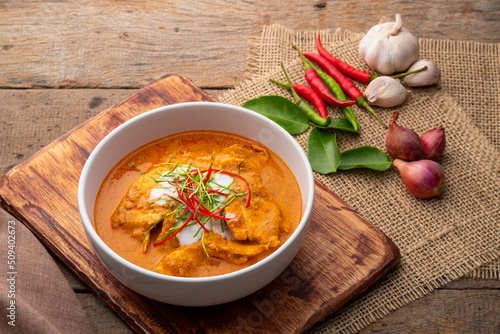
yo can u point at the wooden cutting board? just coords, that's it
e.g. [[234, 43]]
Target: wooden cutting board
[[342, 255]]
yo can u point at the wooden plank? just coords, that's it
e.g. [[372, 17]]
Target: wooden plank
[[129, 44], [101, 316], [473, 284], [444, 311], [342, 255], [31, 119], [473, 309], [25, 131]]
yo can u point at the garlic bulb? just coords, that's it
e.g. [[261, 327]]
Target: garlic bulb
[[428, 77], [385, 92], [389, 47]]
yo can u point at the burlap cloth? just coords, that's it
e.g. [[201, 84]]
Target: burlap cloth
[[440, 240]]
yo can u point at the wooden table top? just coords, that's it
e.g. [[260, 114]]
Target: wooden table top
[[63, 62]]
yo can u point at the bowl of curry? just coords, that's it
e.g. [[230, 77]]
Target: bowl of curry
[[196, 203]]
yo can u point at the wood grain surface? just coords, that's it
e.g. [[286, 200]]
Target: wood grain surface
[[342, 256], [115, 44], [465, 306], [104, 50]]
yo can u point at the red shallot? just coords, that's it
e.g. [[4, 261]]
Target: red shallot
[[401, 142], [422, 178], [433, 143]]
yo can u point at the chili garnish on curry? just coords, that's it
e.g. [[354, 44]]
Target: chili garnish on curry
[[198, 203]]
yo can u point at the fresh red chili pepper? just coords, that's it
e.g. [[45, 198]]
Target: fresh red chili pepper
[[249, 195], [347, 86], [312, 115], [307, 93], [346, 69], [215, 191], [187, 195], [192, 208], [310, 95], [194, 211], [319, 86], [334, 88]]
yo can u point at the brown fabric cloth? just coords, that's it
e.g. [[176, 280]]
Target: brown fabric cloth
[[43, 299], [440, 240]]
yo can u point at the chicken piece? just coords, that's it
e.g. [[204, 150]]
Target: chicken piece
[[254, 153], [136, 212], [231, 250], [261, 221], [183, 261], [186, 260]]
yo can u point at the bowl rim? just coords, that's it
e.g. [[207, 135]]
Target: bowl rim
[[95, 238]]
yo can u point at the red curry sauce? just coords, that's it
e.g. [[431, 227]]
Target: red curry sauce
[[275, 175]]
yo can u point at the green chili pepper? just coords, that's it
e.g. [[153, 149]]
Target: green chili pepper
[[336, 90], [310, 112], [334, 87]]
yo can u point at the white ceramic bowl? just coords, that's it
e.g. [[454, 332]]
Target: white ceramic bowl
[[157, 123]]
